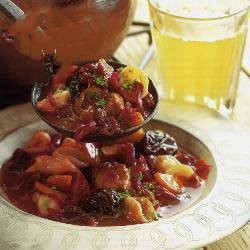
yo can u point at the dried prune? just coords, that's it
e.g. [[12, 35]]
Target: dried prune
[[20, 160], [158, 143], [104, 202]]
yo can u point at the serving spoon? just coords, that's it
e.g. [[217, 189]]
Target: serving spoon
[[37, 93], [14, 11]]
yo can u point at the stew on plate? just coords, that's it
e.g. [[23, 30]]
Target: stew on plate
[[131, 180]]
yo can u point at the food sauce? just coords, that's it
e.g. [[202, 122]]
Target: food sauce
[[190, 196]]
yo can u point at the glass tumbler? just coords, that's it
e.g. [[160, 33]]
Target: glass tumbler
[[199, 46]]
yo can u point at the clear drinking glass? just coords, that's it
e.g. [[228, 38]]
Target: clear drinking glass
[[199, 46]]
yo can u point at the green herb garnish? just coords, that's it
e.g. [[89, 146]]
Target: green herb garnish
[[124, 194], [140, 176], [128, 85], [157, 215], [101, 81], [155, 203], [46, 203], [149, 186], [101, 103]]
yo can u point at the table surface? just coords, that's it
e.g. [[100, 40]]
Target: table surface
[[130, 52]]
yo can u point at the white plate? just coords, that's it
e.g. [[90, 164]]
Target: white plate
[[224, 207]]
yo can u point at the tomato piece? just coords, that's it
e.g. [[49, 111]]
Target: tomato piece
[[136, 118], [191, 181], [202, 169], [60, 181], [42, 188], [59, 196], [168, 182]]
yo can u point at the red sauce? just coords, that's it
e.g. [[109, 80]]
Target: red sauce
[[92, 199]]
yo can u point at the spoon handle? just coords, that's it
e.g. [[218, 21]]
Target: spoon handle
[[12, 9], [147, 57]]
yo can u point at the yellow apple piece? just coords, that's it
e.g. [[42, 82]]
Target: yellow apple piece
[[180, 170], [164, 162], [131, 74]]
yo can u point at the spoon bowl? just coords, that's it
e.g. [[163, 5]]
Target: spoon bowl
[[37, 93]]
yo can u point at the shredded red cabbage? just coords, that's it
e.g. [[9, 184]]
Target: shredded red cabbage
[[84, 130], [52, 101]]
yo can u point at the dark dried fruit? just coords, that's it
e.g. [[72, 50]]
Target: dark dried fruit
[[104, 201], [20, 161], [158, 143]]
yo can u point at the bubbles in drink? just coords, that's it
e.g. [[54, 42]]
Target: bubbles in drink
[[201, 8]]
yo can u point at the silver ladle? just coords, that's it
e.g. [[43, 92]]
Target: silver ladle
[[14, 11]]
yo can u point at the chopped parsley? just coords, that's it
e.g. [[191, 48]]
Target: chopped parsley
[[140, 176], [124, 194], [155, 203], [128, 85], [46, 203], [157, 215], [101, 103], [101, 81], [149, 186]]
